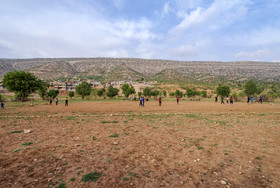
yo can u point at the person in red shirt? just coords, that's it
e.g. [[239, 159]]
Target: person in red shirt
[[177, 100], [159, 100]]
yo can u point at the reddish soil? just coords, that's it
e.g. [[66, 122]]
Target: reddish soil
[[194, 144]]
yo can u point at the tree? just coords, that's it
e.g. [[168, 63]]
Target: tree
[[84, 89], [223, 90], [156, 93], [139, 94], [100, 92], [53, 93], [112, 91], [71, 94], [171, 94], [164, 93], [250, 88], [22, 83], [190, 92], [147, 92], [203, 93], [42, 91], [127, 90], [178, 93]]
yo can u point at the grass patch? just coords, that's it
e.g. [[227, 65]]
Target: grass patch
[[73, 179], [114, 135], [27, 144], [17, 150], [109, 121], [70, 117], [61, 185], [15, 132], [94, 176]]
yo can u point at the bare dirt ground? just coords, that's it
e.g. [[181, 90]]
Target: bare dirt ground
[[194, 144]]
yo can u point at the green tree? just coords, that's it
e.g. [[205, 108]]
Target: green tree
[[164, 93], [223, 90], [71, 94], [203, 93], [156, 93], [112, 91], [147, 92], [171, 94], [22, 83], [43, 90], [100, 92], [127, 90], [190, 92], [139, 94], [178, 93], [250, 88], [84, 89], [53, 93]]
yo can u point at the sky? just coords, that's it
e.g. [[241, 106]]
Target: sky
[[186, 30]]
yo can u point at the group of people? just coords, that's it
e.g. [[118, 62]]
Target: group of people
[[230, 99], [142, 101], [56, 101], [252, 100]]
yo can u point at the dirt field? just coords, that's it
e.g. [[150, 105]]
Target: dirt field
[[194, 144]]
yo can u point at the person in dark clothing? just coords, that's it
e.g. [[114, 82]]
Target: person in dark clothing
[[248, 100], [231, 100], [2, 105], [50, 101], [222, 100], [177, 100], [216, 99], [159, 101], [66, 101], [56, 101], [143, 101], [260, 99], [140, 99]]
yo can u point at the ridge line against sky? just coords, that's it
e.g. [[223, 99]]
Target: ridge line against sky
[[185, 30]]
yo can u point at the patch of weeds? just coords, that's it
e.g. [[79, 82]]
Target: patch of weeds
[[204, 174], [94, 176], [261, 114], [78, 168], [258, 158], [17, 150], [64, 164], [202, 180], [80, 172], [59, 146], [114, 135], [93, 138], [73, 179], [126, 133], [125, 121], [221, 164], [70, 117], [125, 179], [109, 121], [130, 119], [61, 185], [81, 150], [133, 175], [147, 173], [27, 144], [84, 114], [15, 132], [225, 153]]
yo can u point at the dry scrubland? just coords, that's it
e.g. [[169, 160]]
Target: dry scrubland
[[194, 144]]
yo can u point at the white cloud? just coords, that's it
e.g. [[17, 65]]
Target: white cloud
[[220, 11], [253, 55]]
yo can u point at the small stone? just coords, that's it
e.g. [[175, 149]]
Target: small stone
[[182, 182], [240, 172], [126, 166], [250, 161], [161, 184], [190, 169], [194, 161], [26, 131], [198, 160], [115, 143], [77, 138], [215, 173], [182, 140], [35, 159], [78, 145], [223, 182], [131, 184], [50, 179]]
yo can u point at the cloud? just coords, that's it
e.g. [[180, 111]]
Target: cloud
[[184, 51], [253, 55], [219, 12]]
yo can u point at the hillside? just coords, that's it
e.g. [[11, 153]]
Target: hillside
[[132, 69]]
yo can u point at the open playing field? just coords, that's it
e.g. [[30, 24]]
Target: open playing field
[[119, 144]]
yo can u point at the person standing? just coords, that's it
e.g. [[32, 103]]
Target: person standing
[[248, 100], [260, 99], [252, 100], [2, 105], [143, 101], [222, 100], [216, 99], [56, 101], [177, 100], [159, 101], [227, 100], [140, 99], [231, 100], [66, 101], [50, 101]]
